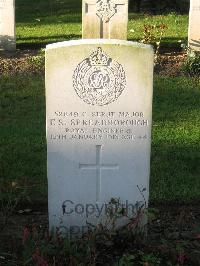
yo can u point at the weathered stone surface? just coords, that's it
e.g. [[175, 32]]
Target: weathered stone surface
[[7, 25], [99, 107], [194, 25], [105, 19]]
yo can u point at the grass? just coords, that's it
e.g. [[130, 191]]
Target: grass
[[175, 146], [46, 21], [41, 22], [23, 133], [176, 27], [175, 169]]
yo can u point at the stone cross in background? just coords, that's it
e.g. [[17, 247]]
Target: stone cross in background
[[7, 25], [194, 25], [105, 19]]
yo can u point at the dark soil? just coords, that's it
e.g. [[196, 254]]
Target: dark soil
[[31, 61], [169, 64], [21, 62], [171, 227]]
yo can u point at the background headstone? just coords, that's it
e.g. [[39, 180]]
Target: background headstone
[[105, 19], [7, 25], [99, 108], [194, 25]]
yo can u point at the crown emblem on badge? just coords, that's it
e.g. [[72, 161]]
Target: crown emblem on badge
[[99, 79], [99, 58]]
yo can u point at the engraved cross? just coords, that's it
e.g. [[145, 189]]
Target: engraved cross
[[98, 166]]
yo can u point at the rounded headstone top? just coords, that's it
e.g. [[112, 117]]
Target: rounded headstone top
[[98, 42]]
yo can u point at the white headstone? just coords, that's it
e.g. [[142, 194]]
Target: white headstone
[[105, 19], [194, 25], [7, 25], [99, 108]]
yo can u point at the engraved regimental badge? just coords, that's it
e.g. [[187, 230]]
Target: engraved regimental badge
[[105, 9], [99, 80]]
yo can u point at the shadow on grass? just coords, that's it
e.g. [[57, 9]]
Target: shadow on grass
[[48, 19], [46, 8], [176, 99], [167, 45], [175, 171], [42, 41], [175, 154]]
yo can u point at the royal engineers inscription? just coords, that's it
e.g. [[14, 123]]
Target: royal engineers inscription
[[7, 25], [99, 105], [194, 22], [100, 126], [100, 18]]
